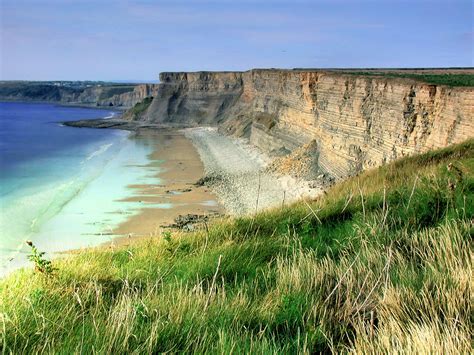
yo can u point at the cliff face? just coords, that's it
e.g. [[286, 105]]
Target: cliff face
[[357, 122], [200, 98]]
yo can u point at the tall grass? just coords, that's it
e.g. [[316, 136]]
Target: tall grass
[[382, 263]]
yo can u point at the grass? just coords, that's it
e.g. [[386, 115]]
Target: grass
[[136, 111], [382, 263], [438, 79]]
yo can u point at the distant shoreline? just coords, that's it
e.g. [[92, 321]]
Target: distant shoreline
[[72, 104]]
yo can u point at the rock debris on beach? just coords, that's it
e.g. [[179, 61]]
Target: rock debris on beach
[[190, 222], [237, 173]]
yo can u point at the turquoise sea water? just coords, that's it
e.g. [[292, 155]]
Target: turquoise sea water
[[61, 186]]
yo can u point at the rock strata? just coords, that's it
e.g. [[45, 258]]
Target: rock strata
[[356, 121]]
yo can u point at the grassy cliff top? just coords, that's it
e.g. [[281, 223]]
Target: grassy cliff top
[[382, 262], [447, 79]]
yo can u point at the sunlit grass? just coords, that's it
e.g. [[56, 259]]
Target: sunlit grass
[[448, 79], [381, 263]]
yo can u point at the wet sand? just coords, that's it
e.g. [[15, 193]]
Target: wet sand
[[180, 167]]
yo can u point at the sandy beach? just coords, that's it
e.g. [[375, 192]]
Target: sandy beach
[[234, 179], [180, 168]]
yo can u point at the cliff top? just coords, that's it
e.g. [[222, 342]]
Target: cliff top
[[437, 76]]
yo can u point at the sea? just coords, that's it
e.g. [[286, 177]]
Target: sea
[[63, 187]]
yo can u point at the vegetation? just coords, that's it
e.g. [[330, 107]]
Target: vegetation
[[136, 111], [382, 263], [37, 258], [437, 79], [47, 92]]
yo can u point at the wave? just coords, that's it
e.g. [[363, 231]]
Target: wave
[[102, 149], [111, 114], [23, 214]]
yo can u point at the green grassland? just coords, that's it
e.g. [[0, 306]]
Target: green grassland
[[381, 263], [437, 79], [136, 112]]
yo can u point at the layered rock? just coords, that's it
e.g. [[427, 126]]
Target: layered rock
[[200, 98], [129, 99], [357, 122]]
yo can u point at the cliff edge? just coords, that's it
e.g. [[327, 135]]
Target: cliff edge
[[351, 121]]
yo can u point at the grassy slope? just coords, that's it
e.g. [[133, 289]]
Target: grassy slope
[[382, 262], [137, 111]]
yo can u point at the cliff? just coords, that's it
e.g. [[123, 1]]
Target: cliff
[[354, 121], [130, 98], [199, 98]]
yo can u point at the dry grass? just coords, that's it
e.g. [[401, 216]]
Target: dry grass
[[386, 270]]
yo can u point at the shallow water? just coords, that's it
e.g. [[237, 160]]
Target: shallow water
[[61, 186]]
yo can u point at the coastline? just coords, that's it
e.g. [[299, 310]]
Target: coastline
[[180, 158], [67, 104], [202, 174], [48, 184], [233, 179], [177, 194]]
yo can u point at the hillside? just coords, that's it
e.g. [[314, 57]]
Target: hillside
[[381, 263]]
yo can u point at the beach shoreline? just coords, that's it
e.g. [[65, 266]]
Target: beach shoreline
[[204, 174], [177, 194]]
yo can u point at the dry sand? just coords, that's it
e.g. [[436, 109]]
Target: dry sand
[[180, 168], [240, 181]]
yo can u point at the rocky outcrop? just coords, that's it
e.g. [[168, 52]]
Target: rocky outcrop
[[199, 98], [356, 121], [130, 98]]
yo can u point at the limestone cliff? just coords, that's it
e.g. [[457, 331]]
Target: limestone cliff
[[200, 98], [356, 121]]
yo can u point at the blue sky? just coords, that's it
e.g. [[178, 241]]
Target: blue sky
[[137, 39]]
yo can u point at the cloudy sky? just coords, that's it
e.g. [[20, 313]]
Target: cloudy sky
[[137, 39]]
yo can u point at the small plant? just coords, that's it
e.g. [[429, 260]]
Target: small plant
[[167, 236], [37, 257]]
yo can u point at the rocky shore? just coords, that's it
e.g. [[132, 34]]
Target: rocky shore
[[242, 176], [120, 123], [238, 174]]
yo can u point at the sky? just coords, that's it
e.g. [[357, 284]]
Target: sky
[[137, 39]]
